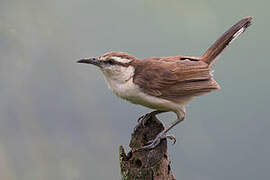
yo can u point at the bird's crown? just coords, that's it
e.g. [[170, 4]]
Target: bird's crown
[[117, 58]]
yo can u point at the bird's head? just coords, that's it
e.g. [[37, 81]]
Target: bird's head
[[114, 65]]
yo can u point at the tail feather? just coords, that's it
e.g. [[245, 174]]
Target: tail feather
[[228, 37]]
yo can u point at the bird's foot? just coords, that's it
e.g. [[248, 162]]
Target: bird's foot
[[153, 143], [144, 118]]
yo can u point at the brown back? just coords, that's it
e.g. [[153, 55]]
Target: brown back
[[172, 78]]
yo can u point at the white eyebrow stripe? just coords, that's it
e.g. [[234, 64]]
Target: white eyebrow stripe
[[121, 60]]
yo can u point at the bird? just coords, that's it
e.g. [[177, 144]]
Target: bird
[[164, 84]]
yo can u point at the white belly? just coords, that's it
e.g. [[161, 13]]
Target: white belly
[[131, 92], [120, 80]]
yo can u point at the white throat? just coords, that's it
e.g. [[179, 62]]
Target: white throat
[[119, 78]]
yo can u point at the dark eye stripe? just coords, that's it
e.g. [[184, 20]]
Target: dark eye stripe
[[114, 62], [110, 61]]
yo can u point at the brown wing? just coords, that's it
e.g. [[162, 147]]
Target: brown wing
[[173, 78]]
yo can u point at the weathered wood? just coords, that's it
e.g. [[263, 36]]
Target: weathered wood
[[153, 164]]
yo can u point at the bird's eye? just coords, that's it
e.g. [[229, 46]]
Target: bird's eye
[[110, 61]]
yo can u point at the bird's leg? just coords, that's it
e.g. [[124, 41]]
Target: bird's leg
[[143, 119], [162, 135]]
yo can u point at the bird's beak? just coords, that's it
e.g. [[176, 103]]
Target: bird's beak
[[94, 61]]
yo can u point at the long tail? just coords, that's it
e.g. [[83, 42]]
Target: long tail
[[236, 30]]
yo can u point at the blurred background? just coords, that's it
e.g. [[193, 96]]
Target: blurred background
[[59, 121]]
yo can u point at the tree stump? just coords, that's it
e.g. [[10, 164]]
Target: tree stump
[[150, 164]]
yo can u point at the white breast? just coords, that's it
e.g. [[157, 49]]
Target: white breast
[[122, 85]]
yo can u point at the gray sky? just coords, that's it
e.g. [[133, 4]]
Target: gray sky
[[58, 120]]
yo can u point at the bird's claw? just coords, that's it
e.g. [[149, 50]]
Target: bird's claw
[[172, 138], [144, 118], [153, 143]]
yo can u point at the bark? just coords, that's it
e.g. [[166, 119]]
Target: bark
[[153, 164]]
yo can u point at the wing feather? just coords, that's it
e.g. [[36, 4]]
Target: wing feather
[[173, 78]]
